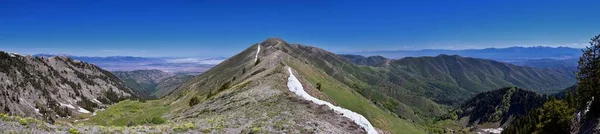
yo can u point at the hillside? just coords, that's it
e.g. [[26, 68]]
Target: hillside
[[249, 90], [368, 61], [498, 108], [452, 79], [152, 83], [55, 88], [570, 64]]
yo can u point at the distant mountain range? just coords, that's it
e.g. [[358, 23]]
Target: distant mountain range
[[510, 54], [167, 64], [569, 64]]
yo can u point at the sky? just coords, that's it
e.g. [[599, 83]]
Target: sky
[[220, 28]]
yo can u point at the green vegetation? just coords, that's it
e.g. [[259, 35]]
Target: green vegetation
[[556, 115], [22, 121], [73, 131], [349, 99], [184, 127], [195, 100], [499, 105], [151, 84], [440, 127], [588, 76], [138, 113]]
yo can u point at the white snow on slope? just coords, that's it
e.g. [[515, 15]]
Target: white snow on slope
[[67, 105], [36, 110], [491, 130], [81, 110], [296, 87], [257, 51], [95, 100]]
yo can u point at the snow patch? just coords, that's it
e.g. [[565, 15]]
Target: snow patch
[[588, 105], [14, 54], [67, 105], [36, 110], [296, 87], [81, 110], [257, 51], [95, 100], [491, 130]]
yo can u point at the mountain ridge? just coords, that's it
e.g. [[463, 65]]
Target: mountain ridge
[[267, 76], [56, 88], [509, 54]]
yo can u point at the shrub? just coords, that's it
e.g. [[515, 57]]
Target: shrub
[[319, 86], [73, 131], [194, 101], [155, 120], [184, 127], [22, 121], [4, 117]]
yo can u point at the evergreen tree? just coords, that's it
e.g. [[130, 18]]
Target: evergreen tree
[[588, 77], [555, 117]]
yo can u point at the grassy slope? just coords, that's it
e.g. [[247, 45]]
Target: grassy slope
[[121, 113], [456, 78], [372, 83], [348, 98]]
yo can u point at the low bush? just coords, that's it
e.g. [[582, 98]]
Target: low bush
[[195, 100], [73, 131]]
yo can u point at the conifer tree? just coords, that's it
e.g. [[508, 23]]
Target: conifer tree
[[588, 77]]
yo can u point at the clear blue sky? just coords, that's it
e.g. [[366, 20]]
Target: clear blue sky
[[210, 28]]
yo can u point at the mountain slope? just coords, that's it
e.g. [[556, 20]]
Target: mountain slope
[[570, 63], [368, 61], [452, 79], [246, 86], [56, 87], [499, 107], [152, 83]]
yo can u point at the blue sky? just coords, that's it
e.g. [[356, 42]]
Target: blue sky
[[211, 28]]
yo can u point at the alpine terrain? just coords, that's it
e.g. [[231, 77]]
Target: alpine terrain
[[56, 88], [277, 87]]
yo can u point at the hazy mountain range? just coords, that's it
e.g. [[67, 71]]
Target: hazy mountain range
[[167, 64], [510, 54]]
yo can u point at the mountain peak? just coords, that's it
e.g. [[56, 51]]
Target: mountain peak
[[273, 41]]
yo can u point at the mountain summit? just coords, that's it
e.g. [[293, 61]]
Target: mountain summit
[[252, 89]]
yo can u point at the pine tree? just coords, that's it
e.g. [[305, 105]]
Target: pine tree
[[588, 77]]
